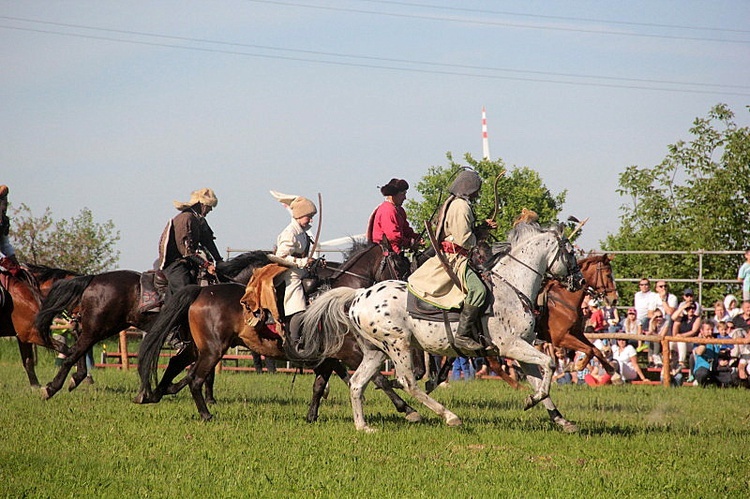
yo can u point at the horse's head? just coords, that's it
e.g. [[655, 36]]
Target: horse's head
[[597, 271], [562, 263]]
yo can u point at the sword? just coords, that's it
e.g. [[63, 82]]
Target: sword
[[441, 257]]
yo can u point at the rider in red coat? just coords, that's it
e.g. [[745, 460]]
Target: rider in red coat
[[389, 219]]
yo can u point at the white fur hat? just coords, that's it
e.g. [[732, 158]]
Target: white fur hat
[[203, 196]]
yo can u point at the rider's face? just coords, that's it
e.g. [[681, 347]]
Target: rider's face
[[305, 222]]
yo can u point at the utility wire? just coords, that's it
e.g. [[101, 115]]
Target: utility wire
[[368, 65], [499, 23]]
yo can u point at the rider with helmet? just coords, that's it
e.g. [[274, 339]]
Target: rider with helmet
[[455, 236]]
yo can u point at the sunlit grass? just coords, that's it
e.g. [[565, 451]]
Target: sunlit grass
[[634, 441]]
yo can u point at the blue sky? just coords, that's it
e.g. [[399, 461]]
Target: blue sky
[[123, 107]]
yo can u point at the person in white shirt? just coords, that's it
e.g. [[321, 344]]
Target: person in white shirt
[[645, 302]]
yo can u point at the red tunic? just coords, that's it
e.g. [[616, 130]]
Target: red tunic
[[390, 221]]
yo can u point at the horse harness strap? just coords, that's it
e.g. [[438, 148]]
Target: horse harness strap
[[528, 306], [448, 330]]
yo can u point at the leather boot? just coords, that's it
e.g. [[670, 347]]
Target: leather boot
[[466, 324]]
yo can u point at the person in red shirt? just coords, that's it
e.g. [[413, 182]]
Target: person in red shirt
[[389, 219]]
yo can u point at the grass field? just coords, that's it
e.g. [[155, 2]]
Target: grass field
[[635, 441]]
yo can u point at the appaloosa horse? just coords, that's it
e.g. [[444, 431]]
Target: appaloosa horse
[[378, 317]]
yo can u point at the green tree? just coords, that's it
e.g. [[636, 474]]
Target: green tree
[[79, 244], [695, 199], [517, 189]]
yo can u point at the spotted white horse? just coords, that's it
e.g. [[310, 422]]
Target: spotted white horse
[[378, 317]]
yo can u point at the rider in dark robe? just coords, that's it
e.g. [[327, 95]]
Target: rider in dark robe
[[187, 243], [7, 253]]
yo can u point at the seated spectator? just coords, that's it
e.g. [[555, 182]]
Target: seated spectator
[[645, 302], [724, 374], [612, 318], [742, 320], [462, 368], [631, 324], [720, 313], [657, 327], [685, 326], [676, 377], [732, 305], [579, 377], [705, 356], [596, 317], [668, 301], [563, 367], [625, 361], [597, 375]]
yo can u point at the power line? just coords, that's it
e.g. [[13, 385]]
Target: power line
[[499, 23], [446, 71], [559, 18]]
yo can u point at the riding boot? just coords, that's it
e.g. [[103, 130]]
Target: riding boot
[[293, 326], [176, 341], [466, 325]]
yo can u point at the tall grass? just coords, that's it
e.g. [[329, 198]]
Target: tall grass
[[635, 441]]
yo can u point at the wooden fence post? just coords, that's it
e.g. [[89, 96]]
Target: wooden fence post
[[124, 361]]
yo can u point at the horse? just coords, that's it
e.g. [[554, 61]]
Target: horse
[[104, 304], [214, 317], [19, 305], [560, 321], [378, 317]]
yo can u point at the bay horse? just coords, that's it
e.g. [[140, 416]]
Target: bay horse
[[19, 305], [214, 318], [105, 304], [384, 329]]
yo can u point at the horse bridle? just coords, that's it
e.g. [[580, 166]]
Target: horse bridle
[[599, 288]]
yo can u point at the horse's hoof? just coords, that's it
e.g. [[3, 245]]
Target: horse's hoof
[[45, 393], [413, 417], [207, 417], [566, 425], [529, 403], [211, 401], [454, 421], [72, 385], [367, 429]]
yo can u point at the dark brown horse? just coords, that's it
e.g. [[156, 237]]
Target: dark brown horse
[[19, 305], [214, 317], [105, 304]]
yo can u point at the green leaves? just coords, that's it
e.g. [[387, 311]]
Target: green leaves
[[79, 244]]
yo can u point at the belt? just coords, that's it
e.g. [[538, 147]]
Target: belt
[[449, 247]]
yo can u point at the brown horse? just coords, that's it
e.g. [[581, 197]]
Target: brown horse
[[214, 317], [105, 304], [19, 307], [562, 321]]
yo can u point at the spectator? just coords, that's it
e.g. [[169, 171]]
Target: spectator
[[705, 356], [668, 301], [625, 361], [720, 314], [658, 327], [743, 275], [688, 298], [685, 326], [258, 360], [730, 303], [462, 368], [725, 375], [631, 324], [675, 372], [580, 376], [596, 317], [563, 367], [645, 302], [597, 375], [612, 317], [742, 321]]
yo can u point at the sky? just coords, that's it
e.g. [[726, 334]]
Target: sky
[[123, 107]]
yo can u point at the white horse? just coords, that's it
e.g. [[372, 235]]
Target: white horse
[[378, 318]]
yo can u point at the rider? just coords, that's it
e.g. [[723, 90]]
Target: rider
[[293, 246], [181, 244], [389, 221], [456, 238], [7, 253]]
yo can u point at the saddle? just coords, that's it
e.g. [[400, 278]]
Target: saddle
[[261, 309], [420, 309], [153, 288]]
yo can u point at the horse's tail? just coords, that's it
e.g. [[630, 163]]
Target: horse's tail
[[64, 295], [325, 324], [173, 314]]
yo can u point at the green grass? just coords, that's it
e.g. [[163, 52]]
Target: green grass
[[635, 441]]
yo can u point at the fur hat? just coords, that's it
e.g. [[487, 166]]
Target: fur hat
[[466, 183], [298, 206], [394, 186], [203, 196], [4, 190], [526, 216]]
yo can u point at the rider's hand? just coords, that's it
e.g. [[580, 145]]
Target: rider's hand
[[211, 268], [491, 223]]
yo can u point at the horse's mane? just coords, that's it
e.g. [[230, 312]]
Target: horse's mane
[[45, 273], [232, 267], [521, 232]]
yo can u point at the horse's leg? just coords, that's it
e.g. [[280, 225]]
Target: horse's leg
[[370, 365], [400, 404], [80, 374], [81, 346], [534, 377], [441, 376], [322, 375], [197, 377], [27, 359], [176, 365], [517, 348], [495, 366], [210, 387]]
